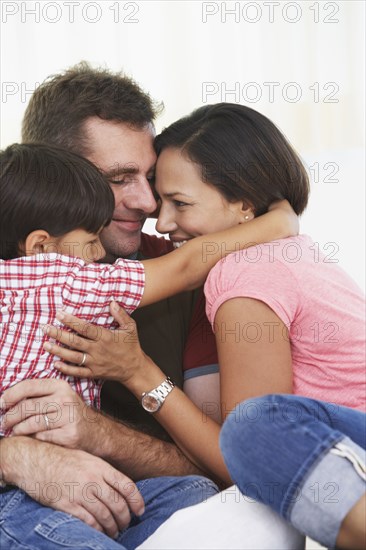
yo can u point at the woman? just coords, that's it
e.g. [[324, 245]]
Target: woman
[[284, 322]]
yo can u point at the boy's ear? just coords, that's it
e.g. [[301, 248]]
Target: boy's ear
[[35, 243]]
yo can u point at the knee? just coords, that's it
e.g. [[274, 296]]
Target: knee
[[252, 422]]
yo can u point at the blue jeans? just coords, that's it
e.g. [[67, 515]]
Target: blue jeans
[[25, 524], [286, 451]]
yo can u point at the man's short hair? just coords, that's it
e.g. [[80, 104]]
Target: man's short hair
[[60, 106]]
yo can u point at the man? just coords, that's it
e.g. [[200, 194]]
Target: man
[[108, 119]]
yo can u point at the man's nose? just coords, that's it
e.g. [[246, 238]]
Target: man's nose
[[166, 220], [141, 198]]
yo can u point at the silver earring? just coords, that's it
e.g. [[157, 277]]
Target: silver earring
[[246, 217]]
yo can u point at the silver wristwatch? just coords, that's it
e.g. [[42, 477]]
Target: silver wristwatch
[[152, 401]]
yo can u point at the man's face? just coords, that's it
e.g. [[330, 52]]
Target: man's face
[[127, 158]]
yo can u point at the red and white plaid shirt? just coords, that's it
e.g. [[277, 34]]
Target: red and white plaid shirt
[[34, 287]]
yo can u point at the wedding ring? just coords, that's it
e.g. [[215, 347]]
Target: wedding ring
[[46, 421], [82, 363]]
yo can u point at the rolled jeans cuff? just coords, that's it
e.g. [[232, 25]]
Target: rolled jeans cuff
[[332, 488]]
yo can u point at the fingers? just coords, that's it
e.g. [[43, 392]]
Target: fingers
[[110, 501], [28, 416], [85, 516], [68, 338], [84, 328], [127, 327], [68, 355], [106, 508], [121, 316], [118, 516], [71, 370], [94, 512], [30, 388], [126, 489]]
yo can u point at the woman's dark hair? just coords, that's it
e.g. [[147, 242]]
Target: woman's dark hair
[[44, 187], [241, 153]]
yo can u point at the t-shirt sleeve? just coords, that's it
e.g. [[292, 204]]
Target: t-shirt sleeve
[[94, 286], [265, 278], [153, 246]]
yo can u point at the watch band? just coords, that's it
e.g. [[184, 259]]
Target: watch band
[[153, 400], [163, 389]]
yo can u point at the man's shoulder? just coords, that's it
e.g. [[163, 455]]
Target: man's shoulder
[[153, 246]]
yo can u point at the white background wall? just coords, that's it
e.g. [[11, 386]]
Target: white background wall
[[300, 63]]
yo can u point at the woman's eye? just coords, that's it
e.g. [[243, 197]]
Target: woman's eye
[[180, 203]]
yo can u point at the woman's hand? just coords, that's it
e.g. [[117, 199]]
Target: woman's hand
[[109, 354]]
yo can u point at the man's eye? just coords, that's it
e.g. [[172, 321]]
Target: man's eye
[[117, 182]]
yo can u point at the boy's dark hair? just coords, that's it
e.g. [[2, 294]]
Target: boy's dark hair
[[241, 153], [60, 106], [44, 187]]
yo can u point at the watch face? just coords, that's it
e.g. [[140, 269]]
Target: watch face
[[150, 403]]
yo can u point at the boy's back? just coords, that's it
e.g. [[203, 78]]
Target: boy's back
[[35, 287]]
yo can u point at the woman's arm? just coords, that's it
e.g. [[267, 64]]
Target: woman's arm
[[254, 352], [187, 267], [249, 368], [250, 365]]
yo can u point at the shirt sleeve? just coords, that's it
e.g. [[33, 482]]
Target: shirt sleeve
[[263, 278], [93, 286], [153, 246]]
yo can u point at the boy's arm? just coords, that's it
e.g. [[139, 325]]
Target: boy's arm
[[187, 267]]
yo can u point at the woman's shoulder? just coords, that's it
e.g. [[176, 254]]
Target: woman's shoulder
[[274, 256]]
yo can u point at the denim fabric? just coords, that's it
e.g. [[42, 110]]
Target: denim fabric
[[332, 488], [25, 524], [271, 444]]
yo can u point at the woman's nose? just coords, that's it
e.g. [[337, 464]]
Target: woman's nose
[[166, 220]]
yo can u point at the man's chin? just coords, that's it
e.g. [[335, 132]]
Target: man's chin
[[121, 246]]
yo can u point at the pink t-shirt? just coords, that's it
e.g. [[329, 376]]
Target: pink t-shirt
[[322, 307]]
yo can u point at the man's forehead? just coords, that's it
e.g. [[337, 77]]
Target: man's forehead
[[96, 127], [114, 145]]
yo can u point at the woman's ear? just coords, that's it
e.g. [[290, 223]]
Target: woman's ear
[[35, 243], [246, 212]]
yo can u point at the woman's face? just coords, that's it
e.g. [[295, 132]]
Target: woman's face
[[190, 207]]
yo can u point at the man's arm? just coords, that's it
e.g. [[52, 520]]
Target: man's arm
[[141, 455], [71, 481], [73, 424]]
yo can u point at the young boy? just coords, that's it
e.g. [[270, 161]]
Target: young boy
[[55, 204]]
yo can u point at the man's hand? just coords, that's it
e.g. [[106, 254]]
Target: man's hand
[[71, 481], [72, 424], [50, 410], [110, 354]]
